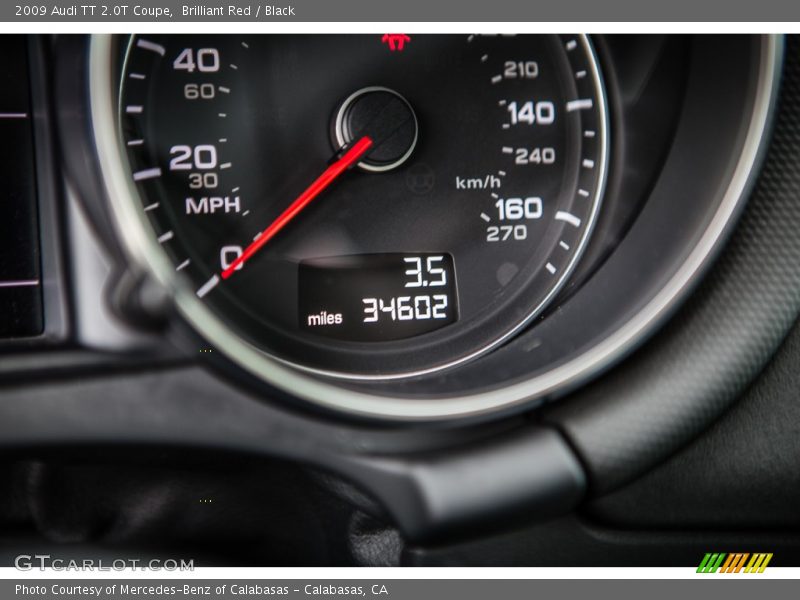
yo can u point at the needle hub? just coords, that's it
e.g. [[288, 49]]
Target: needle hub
[[387, 118]]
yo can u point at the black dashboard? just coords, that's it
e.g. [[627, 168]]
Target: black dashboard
[[391, 299]]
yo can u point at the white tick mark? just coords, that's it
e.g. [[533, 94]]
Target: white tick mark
[[147, 174], [208, 286], [563, 215], [581, 104], [152, 46]]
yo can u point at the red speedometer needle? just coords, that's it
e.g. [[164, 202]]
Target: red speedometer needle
[[327, 177]]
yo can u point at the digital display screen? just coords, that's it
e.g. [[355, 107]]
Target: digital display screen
[[377, 297]]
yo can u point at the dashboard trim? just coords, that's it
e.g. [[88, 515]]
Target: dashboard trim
[[57, 324]]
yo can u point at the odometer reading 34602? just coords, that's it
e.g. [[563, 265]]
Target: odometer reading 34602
[[361, 208], [377, 297]]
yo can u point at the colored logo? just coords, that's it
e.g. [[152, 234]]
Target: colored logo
[[738, 562], [395, 41]]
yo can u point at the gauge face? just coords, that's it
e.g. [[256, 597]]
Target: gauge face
[[367, 206]]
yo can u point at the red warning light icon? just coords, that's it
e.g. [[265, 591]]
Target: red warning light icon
[[395, 41]]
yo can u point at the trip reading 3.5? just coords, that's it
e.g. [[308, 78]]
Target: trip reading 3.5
[[422, 272], [376, 297]]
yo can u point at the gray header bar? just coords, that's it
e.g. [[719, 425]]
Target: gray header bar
[[281, 11]]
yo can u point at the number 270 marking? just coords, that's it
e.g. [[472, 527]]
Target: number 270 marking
[[503, 233]]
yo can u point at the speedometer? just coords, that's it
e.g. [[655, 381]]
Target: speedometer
[[364, 206]]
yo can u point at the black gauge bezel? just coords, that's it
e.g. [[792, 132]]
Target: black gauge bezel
[[463, 341]]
